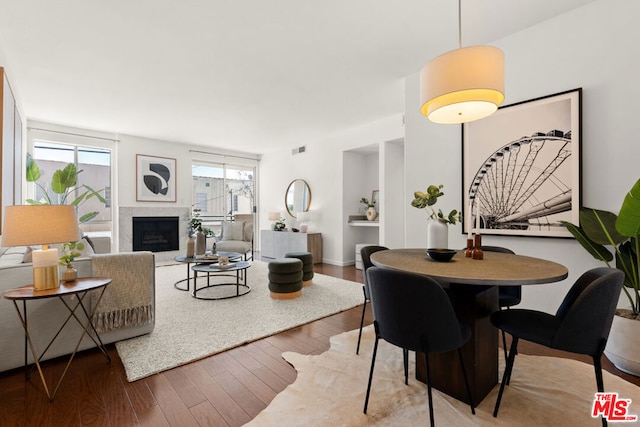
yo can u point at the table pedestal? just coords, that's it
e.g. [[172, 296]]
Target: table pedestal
[[473, 305]]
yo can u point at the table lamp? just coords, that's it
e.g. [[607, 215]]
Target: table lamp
[[28, 225], [274, 216]]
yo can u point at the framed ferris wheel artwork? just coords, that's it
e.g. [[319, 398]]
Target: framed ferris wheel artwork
[[521, 168]]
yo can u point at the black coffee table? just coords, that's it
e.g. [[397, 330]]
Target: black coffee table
[[233, 256], [239, 267]]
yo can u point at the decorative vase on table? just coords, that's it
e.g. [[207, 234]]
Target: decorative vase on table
[[191, 247], [70, 274], [437, 234], [372, 214], [201, 243]]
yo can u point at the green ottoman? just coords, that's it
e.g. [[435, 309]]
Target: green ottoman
[[307, 266], [285, 278]]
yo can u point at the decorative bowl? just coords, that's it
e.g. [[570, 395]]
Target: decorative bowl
[[440, 254]]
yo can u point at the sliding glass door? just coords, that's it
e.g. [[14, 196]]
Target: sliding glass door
[[221, 191]]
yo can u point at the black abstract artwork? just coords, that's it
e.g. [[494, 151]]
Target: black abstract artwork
[[156, 179]]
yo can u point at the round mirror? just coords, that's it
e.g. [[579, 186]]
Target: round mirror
[[297, 197]]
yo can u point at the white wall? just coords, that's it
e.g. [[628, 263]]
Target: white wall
[[321, 166], [592, 47]]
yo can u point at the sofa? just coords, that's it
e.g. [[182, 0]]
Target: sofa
[[126, 310]]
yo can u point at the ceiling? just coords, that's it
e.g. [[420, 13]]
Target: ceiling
[[249, 75]]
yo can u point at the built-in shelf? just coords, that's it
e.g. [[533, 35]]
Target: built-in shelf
[[365, 223]]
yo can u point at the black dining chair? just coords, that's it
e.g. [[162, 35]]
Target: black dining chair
[[508, 296], [366, 253], [581, 324], [413, 312]]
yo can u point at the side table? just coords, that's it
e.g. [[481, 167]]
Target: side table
[[78, 288]]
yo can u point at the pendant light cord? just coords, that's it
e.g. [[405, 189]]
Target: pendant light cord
[[459, 23]]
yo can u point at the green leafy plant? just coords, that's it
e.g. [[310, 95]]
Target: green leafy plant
[[423, 200], [600, 230], [70, 251], [367, 204], [195, 224], [280, 224], [63, 186]]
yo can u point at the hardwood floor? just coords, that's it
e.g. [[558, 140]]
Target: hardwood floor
[[227, 389]]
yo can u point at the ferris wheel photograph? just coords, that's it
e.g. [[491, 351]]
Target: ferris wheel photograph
[[521, 168]]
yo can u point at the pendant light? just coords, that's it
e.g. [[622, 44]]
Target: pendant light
[[464, 84]]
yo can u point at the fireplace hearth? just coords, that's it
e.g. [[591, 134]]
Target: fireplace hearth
[[156, 233]]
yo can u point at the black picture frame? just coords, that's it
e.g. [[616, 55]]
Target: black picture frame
[[522, 165]]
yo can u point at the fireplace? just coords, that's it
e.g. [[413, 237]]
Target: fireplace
[[156, 233]]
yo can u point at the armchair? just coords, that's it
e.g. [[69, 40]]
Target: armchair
[[236, 236]]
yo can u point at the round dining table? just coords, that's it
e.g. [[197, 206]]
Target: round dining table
[[472, 287]]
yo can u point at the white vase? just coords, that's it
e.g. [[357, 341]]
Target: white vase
[[437, 234], [372, 214]]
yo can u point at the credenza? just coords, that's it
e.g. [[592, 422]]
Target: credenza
[[275, 244]]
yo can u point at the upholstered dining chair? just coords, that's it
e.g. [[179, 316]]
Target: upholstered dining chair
[[413, 312], [508, 296], [366, 253], [581, 324]]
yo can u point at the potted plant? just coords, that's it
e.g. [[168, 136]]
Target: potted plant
[[369, 208], [437, 230], [200, 233], [280, 225], [598, 231], [70, 251]]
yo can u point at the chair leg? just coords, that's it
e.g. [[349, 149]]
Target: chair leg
[[426, 365], [507, 373], [504, 345], [364, 307], [599, 381], [405, 354], [373, 362], [466, 382]]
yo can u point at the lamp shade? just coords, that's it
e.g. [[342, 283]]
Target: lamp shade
[[27, 225], [462, 85], [274, 216]]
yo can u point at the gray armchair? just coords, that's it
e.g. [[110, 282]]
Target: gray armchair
[[236, 236]]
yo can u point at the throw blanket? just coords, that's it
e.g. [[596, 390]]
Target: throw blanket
[[128, 300]]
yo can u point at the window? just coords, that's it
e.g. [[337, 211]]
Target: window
[[95, 164]]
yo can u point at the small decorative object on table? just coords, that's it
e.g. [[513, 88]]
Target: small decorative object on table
[[280, 225], [441, 255], [191, 247], [70, 251], [477, 240]]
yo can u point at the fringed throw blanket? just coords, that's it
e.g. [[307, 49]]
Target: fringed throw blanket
[[128, 300]]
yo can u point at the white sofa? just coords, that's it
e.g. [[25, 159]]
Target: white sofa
[[128, 316]]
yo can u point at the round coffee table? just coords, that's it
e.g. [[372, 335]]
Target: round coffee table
[[239, 267], [233, 256]]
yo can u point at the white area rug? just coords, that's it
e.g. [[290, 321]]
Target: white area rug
[[330, 389], [188, 329]]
